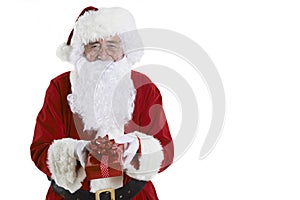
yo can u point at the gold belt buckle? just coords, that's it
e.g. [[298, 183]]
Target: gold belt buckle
[[110, 190]]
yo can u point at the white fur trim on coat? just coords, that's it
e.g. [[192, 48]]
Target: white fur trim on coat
[[104, 183], [62, 164], [150, 159]]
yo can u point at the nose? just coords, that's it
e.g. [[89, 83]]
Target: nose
[[103, 55]]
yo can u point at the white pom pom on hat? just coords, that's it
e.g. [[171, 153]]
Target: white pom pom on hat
[[64, 52]]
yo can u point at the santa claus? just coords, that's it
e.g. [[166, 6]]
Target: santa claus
[[102, 104]]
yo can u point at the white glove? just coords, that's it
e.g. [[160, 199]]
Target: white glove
[[81, 152], [131, 146]]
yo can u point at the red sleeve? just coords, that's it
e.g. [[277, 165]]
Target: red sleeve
[[153, 122], [149, 117], [49, 126]]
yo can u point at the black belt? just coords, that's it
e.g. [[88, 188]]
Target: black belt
[[127, 192]]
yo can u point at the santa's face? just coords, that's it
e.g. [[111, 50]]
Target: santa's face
[[104, 49]]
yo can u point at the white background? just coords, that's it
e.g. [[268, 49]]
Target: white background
[[255, 46]]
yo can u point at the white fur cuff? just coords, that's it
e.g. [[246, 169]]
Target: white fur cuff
[[62, 164], [150, 159]]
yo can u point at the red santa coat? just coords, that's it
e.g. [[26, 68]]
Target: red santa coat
[[55, 122]]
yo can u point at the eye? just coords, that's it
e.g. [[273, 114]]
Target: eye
[[95, 46], [111, 46]]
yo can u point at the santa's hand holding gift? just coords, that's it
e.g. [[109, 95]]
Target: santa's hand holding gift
[[102, 131]]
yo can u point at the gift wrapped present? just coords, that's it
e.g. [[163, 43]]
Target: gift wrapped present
[[104, 158]]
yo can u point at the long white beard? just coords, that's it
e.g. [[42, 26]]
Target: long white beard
[[102, 94]]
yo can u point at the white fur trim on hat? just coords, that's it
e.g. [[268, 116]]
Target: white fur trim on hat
[[150, 159], [62, 164], [101, 24]]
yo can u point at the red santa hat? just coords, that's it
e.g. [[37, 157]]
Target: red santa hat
[[94, 23]]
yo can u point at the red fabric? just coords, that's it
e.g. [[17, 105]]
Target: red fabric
[[55, 121]]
